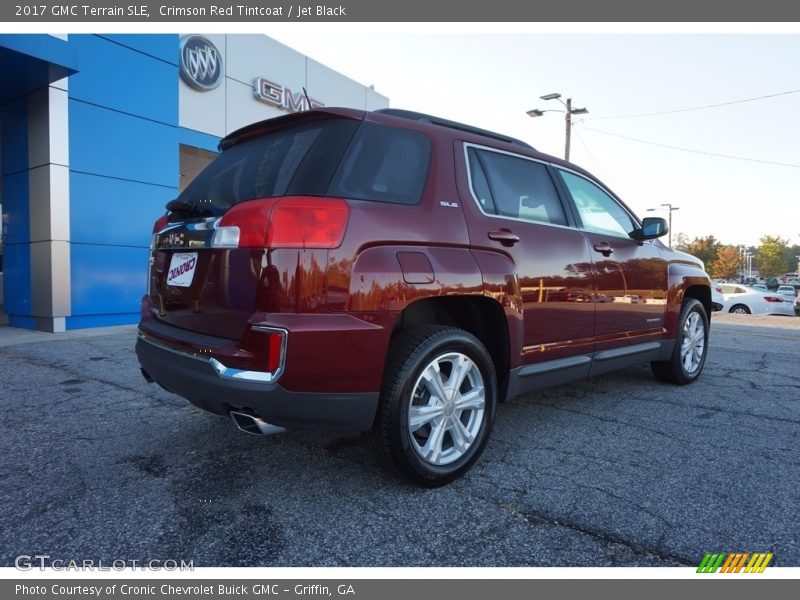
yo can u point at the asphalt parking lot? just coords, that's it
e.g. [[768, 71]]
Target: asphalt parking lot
[[615, 471]]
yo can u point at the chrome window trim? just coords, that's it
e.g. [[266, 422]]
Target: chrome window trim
[[467, 146]]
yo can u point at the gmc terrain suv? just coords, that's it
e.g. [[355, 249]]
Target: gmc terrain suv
[[400, 274]]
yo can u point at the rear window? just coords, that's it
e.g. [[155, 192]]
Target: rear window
[[295, 160], [337, 157]]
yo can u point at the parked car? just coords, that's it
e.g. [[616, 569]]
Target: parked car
[[717, 299], [760, 286], [787, 291], [797, 303], [390, 271], [747, 300]]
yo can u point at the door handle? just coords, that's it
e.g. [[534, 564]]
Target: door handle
[[504, 236], [604, 249]]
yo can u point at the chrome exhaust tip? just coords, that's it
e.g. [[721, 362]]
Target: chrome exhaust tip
[[253, 425]]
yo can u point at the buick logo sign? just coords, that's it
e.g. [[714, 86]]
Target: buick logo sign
[[201, 63]]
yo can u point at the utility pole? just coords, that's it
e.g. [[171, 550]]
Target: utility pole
[[670, 208], [567, 117]]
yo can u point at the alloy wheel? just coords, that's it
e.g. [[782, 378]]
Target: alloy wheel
[[446, 408]]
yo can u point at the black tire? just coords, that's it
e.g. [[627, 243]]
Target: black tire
[[410, 374], [740, 309], [691, 346]]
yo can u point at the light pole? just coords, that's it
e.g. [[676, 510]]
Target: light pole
[[670, 208], [567, 116], [742, 261]]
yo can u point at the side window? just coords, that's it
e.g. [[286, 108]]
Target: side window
[[384, 164], [599, 212], [516, 187], [480, 186]]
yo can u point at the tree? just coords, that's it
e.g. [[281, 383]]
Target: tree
[[681, 242], [792, 255], [771, 257], [727, 263], [704, 248]]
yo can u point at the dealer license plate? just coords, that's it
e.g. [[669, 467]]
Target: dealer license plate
[[182, 268]]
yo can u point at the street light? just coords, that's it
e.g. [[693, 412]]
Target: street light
[[670, 208], [742, 261], [567, 116]]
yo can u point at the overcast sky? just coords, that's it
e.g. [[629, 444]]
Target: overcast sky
[[491, 80]]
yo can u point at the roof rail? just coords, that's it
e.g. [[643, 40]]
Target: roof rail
[[423, 118]]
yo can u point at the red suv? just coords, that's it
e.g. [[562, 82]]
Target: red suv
[[400, 274]]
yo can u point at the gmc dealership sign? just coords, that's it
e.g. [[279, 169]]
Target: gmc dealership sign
[[281, 96]]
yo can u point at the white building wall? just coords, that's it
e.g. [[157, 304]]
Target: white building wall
[[246, 58]]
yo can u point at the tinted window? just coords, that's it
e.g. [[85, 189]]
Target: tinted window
[[300, 159], [518, 187], [732, 289], [480, 186], [598, 210], [384, 164]]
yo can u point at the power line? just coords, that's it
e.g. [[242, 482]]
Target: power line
[[590, 153], [704, 107], [755, 160]]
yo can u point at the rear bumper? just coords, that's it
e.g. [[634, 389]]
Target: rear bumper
[[787, 310], [194, 377]]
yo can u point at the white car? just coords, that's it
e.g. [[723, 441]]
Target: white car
[[717, 299], [787, 291], [747, 300]]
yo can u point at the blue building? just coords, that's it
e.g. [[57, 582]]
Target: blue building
[[98, 132]]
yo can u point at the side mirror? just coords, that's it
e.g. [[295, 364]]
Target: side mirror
[[652, 228]]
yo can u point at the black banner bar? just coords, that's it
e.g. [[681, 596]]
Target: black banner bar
[[729, 588], [496, 11]]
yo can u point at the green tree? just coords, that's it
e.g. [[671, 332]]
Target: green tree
[[771, 257], [704, 248], [792, 255], [727, 263]]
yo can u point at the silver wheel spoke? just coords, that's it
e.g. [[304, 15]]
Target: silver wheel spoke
[[461, 437], [687, 362], [472, 400], [432, 450], [432, 377], [422, 415], [461, 367]]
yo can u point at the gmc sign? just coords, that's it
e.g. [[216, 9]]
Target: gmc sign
[[281, 96]]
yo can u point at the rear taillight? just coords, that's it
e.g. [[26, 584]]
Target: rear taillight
[[290, 222], [267, 346], [160, 223], [773, 299], [275, 350]]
